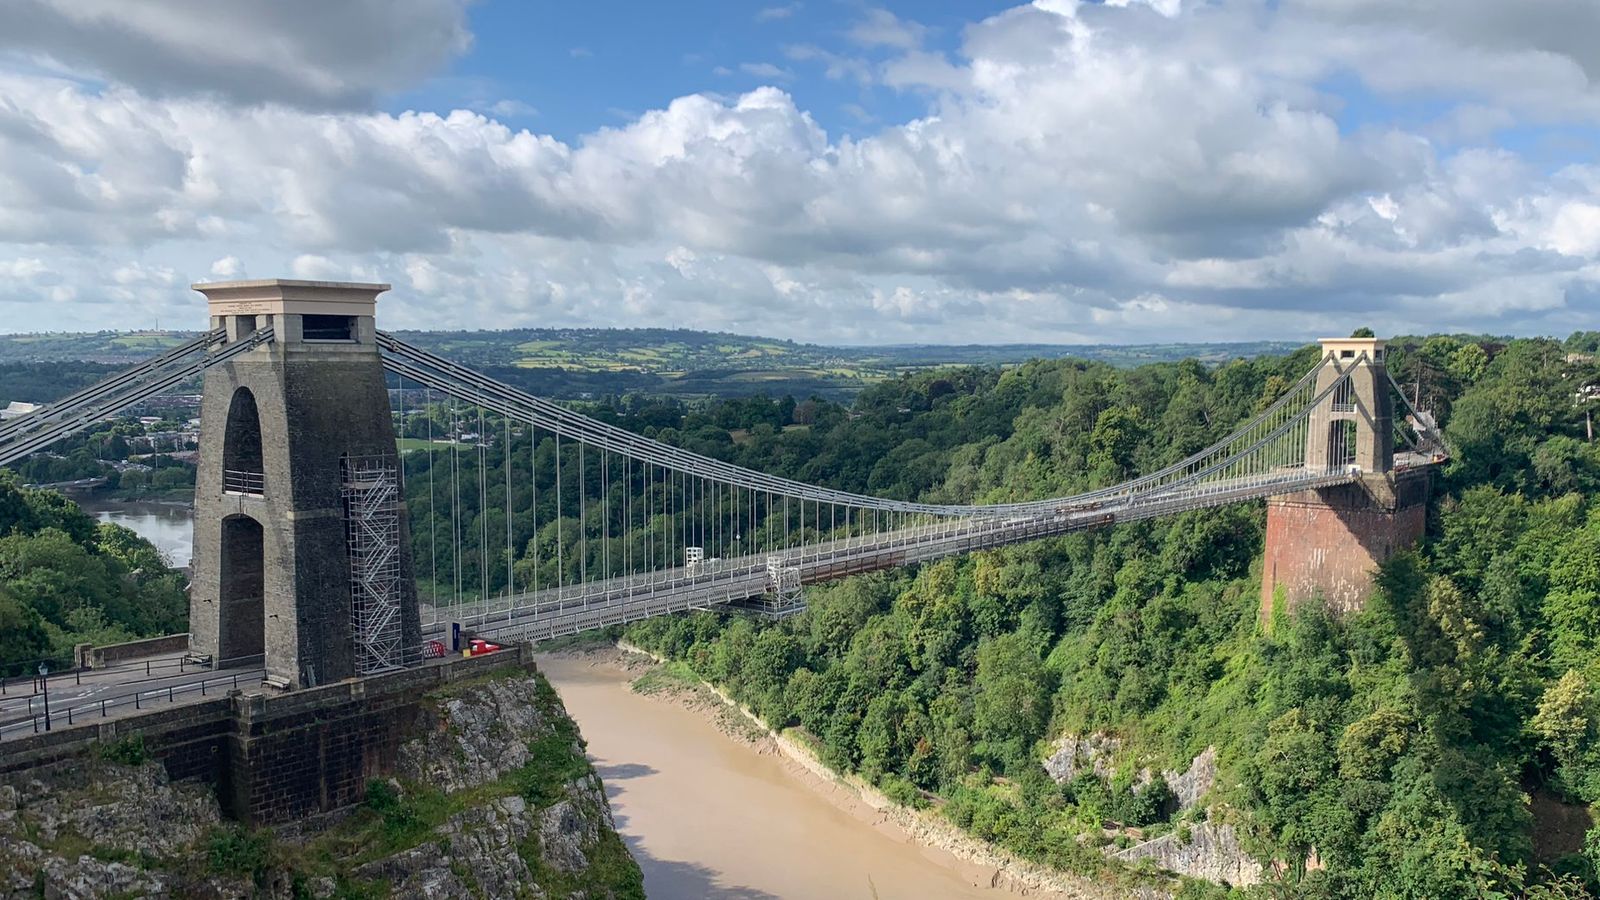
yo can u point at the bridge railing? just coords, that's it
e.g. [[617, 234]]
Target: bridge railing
[[22, 685], [239, 481]]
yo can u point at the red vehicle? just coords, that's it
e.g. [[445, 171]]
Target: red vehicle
[[432, 649], [478, 647]]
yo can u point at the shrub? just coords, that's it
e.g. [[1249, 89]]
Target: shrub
[[128, 751]]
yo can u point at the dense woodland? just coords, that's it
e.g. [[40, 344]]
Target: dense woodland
[[1392, 753], [67, 579], [43, 381]]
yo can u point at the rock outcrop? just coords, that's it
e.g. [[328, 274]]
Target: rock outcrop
[[1193, 783], [1203, 850], [1200, 850], [492, 798], [1072, 756]]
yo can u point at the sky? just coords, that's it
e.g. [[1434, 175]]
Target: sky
[[823, 170]]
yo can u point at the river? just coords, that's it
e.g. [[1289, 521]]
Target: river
[[710, 817], [167, 524]]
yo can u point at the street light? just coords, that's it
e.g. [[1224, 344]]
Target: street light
[[44, 680]]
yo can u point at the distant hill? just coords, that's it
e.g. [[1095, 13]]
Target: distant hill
[[572, 362], [95, 346]]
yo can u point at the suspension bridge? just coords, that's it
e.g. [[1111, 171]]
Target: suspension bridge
[[306, 568]]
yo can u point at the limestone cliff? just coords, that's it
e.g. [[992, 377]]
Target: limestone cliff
[[1199, 848], [492, 798]]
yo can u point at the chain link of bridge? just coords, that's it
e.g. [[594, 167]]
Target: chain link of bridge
[[582, 524]]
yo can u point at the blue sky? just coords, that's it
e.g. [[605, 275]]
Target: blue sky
[[578, 71], [856, 172]]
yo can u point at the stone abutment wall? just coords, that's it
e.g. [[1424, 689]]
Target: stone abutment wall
[[1327, 544], [270, 757]]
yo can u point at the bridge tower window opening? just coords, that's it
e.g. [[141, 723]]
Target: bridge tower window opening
[[1341, 443], [242, 623], [1344, 396], [243, 470], [327, 328]]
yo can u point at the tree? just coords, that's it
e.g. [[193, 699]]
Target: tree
[[883, 745], [22, 635], [1012, 696], [1118, 433], [1468, 363], [1565, 464], [1572, 604], [1370, 745]]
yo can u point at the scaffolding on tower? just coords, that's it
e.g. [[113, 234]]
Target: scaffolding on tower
[[785, 595], [372, 535]]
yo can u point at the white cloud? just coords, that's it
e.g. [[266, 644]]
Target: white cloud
[[510, 109], [314, 267], [307, 52], [774, 13], [766, 70], [882, 28], [834, 65], [1575, 229], [1095, 172]]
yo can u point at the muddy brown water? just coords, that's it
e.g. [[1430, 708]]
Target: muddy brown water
[[708, 816]]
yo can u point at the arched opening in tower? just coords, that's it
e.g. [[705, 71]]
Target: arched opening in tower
[[1341, 443], [243, 471], [242, 626]]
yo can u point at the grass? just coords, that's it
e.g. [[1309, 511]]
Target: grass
[[236, 851], [673, 675], [406, 445]]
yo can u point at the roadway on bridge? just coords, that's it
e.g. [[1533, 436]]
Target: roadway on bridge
[[91, 695]]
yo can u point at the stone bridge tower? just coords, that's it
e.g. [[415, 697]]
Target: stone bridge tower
[[1327, 543], [302, 556]]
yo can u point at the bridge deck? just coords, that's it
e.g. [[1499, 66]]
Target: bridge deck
[[553, 613]]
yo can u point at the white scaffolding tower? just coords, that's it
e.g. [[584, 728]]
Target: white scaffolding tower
[[372, 535], [785, 596]]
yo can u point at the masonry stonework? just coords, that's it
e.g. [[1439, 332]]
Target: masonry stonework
[[1328, 543], [272, 577], [272, 757]]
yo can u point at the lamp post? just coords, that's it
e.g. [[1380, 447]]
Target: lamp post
[[44, 680]]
